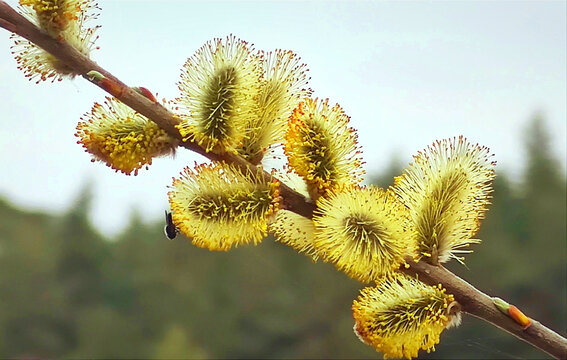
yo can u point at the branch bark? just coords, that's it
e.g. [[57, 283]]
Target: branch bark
[[471, 300], [480, 305]]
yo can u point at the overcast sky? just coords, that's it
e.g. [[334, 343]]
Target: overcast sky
[[407, 73]]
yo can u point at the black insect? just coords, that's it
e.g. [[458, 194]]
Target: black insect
[[170, 229]]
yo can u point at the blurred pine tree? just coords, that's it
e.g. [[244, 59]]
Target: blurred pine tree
[[67, 292], [545, 203]]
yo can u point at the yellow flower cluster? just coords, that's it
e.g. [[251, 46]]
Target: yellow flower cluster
[[122, 138], [64, 20], [322, 149], [433, 211], [281, 88], [236, 100], [55, 16], [365, 232], [217, 88], [219, 206], [239, 101], [401, 316], [447, 189]]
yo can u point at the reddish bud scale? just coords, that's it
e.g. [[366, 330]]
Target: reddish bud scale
[[518, 316], [145, 92], [111, 86]]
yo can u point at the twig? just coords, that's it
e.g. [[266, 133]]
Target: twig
[[480, 305], [471, 300]]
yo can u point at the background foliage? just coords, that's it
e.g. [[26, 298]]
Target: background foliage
[[66, 291]]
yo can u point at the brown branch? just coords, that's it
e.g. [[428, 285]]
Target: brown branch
[[472, 300], [160, 115], [7, 25], [478, 304]]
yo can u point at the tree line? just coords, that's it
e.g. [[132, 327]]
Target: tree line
[[67, 291]]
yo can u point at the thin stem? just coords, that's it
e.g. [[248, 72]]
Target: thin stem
[[472, 300]]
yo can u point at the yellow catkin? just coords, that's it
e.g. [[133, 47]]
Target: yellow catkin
[[122, 138], [364, 232], [219, 206], [283, 85], [447, 189], [401, 316], [65, 20], [322, 148], [218, 87]]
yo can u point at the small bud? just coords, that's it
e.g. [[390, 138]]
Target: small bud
[[105, 83], [94, 76], [145, 92], [513, 312]]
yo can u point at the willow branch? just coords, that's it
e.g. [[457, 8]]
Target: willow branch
[[81, 64], [480, 305], [472, 300]]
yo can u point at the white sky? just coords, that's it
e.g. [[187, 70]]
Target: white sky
[[407, 73]]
